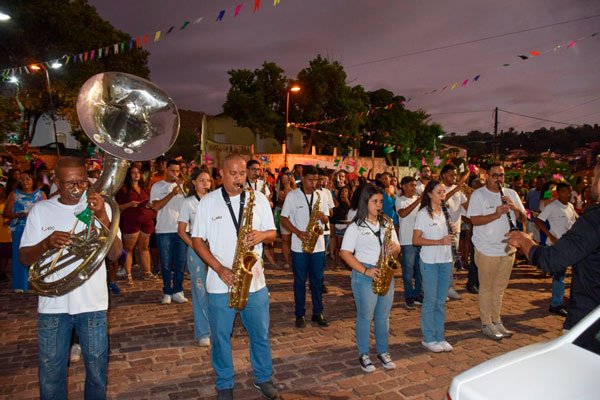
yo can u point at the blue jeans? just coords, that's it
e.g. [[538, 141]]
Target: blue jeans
[[558, 289], [172, 259], [20, 272], [197, 270], [255, 318], [54, 340], [410, 271], [369, 307], [436, 281], [311, 265]]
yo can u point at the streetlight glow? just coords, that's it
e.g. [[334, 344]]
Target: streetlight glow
[[35, 67], [56, 65], [13, 79], [295, 88], [4, 17]]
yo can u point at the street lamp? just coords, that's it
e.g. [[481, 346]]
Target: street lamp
[[54, 65], [294, 88], [438, 137], [4, 17]]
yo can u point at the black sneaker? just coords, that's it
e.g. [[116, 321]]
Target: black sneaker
[[267, 389], [225, 394], [410, 304], [419, 301], [560, 310], [365, 363], [386, 360], [300, 322]]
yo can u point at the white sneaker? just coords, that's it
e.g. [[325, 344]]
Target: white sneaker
[[204, 342], [179, 298], [453, 294], [433, 346], [365, 363], [446, 346], [166, 299], [386, 360], [75, 353], [121, 272]]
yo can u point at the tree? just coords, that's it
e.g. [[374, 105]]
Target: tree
[[326, 95], [256, 99], [43, 30]]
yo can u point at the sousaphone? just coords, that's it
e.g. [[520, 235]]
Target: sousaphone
[[131, 119]]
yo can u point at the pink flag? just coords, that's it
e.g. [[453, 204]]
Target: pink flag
[[465, 82], [423, 161], [571, 44], [237, 10]]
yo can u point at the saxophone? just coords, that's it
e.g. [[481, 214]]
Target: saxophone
[[243, 260], [314, 229], [387, 264]]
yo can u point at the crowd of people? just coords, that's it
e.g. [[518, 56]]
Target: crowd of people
[[176, 217]]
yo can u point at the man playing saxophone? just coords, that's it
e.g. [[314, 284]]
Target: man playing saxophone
[[303, 213], [219, 218]]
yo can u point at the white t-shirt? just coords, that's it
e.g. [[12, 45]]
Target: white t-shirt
[[187, 213], [433, 229], [45, 218], [213, 223], [258, 186], [327, 199], [561, 218], [454, 205], [360, 240], [407, 223], [296, 209], [489, 239], [420, 187], [166, 219]]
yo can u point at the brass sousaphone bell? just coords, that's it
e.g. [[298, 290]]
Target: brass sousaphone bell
[[130, 118]]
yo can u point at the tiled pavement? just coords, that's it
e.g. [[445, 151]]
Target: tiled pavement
[[153, 354]]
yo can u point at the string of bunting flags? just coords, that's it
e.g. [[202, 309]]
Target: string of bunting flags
[[388, 148], [140, 41], [456, 84]]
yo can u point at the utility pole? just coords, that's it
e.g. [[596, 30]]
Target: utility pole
[[495, 144]]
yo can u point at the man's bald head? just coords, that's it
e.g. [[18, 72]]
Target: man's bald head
[[68, 162]]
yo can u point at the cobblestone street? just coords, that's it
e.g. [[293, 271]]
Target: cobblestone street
[[153, 354]]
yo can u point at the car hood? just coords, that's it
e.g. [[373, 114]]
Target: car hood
[[553, 370]]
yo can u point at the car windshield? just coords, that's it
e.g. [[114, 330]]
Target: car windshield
[[590, 338]]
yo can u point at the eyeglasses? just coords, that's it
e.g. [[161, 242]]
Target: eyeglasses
[[496, 176], [72, 184]]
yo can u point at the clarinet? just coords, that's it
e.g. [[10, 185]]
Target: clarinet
[[511, 224], [457, 261]]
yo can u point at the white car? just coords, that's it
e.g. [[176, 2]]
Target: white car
[[564, 368]]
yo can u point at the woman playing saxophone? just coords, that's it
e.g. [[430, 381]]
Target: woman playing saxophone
[[361, 248]]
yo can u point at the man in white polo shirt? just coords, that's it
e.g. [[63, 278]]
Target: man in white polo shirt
[[220, 216], [561, 216], [407, 207], [166, 198], [295, 216], [494, 258], [50, 225]]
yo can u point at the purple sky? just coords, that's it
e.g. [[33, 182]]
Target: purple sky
[[192, 65]]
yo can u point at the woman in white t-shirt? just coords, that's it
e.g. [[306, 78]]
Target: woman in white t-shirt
[[431, 232], [362, 244], [201, 184]]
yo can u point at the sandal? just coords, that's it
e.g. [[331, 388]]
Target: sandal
[[151, 277], [129, 280]]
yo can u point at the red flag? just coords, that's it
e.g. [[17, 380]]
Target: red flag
[[256, 5], [146, 40], [465, 82], [534, 53]]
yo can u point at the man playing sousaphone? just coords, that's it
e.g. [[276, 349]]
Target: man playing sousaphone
[[51, 224], [223, 215]]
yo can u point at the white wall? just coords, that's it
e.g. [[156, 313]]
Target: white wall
[[45, 133]]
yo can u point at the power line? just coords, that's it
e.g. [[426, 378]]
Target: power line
[[460, 112], [537, 118], [469, 42]]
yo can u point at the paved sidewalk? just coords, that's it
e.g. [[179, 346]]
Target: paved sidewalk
[[153, 354]]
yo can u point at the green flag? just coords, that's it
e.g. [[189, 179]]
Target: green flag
[[85, 216], [388, 150], [362, 170], [336, 162]]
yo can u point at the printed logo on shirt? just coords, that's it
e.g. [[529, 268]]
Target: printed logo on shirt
[[218, 217], [490, 207], [48, 228], [432, 224]]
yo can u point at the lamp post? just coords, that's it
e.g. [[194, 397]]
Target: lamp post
[[54, 65], [294, 88], [438, 137]]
